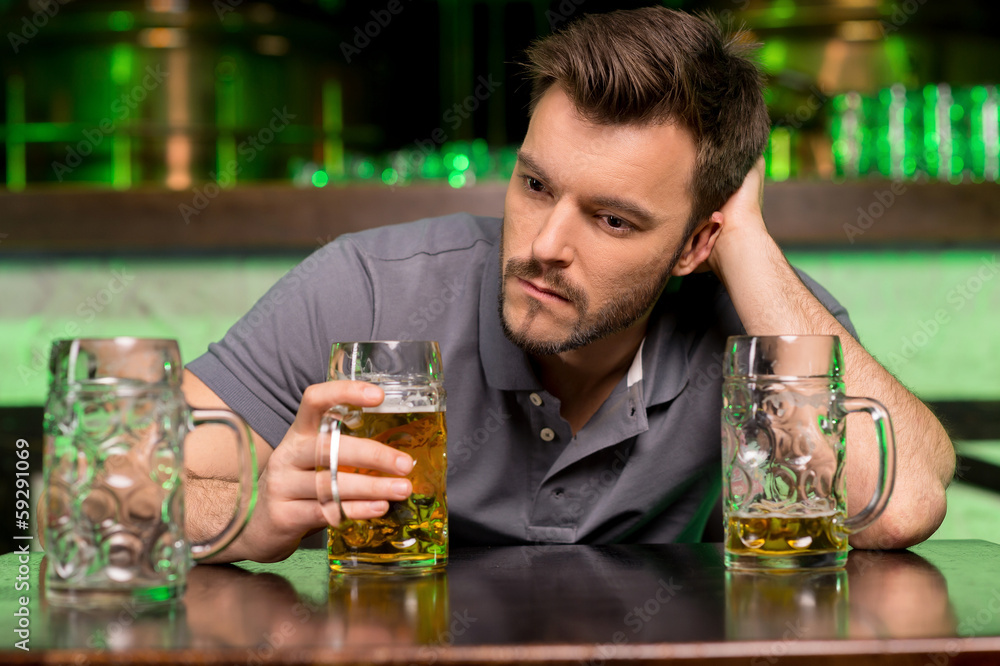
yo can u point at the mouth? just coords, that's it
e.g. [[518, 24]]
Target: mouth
[[541, 293]]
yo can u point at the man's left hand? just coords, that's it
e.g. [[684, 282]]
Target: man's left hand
[[742, 223]]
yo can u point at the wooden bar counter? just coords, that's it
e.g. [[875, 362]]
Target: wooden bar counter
[[270, 218], [938, 603]]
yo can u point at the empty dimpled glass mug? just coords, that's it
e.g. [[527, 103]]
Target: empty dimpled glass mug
[[113, 515], [413, 535], [783, 426]]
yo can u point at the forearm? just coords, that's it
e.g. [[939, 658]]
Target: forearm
[[771, 300], [208, 507]]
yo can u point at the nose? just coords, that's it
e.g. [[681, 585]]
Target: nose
[[553, 243]]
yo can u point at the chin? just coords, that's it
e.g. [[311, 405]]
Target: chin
[[534, 342]]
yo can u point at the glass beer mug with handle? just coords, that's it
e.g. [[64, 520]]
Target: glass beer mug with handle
[[413, 535], [783, 426], [113, 515]]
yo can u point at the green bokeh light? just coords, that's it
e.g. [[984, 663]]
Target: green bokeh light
[[456, 179], [779, 165], [897, 52], [366, 169], [773, 55], [390, 176], [121, 21], [461, 162], [783, 9], [226, 69], [122, 63], [232, 21], [320, 178]]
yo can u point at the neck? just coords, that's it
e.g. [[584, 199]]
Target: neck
[[583, 378]]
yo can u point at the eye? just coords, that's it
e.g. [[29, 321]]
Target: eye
[[617, 225], [533, 184]]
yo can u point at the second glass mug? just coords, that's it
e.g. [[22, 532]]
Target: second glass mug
[[783, 445], [413, 535], [113, 515]]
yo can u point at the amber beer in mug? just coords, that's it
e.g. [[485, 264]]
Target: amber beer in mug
[[778, 534], [413, 535], [784, 450], [414, 531]]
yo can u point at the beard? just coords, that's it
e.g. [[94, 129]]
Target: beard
[[627, 306]]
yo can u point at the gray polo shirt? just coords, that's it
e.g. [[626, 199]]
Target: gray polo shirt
[[645, 468]]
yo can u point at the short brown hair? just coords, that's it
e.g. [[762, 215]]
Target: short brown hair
[[654, 65]]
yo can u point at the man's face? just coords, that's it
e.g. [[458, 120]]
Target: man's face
[[594, 221]]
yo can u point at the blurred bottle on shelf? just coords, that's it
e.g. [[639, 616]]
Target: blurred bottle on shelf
[[938, 132]]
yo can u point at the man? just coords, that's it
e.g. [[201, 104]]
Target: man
[[581, 338]]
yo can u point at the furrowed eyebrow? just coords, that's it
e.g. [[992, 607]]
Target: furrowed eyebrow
[[531, 164], [630, 208]]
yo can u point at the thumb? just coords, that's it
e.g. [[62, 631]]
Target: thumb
[[319, 398]]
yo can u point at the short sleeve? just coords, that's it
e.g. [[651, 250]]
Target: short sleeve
[[264, 363]]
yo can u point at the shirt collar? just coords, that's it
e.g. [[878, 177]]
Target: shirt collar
[[635, 370], [664, 353]]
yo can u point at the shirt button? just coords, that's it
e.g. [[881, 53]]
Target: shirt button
[[547, 434], [535, 399]]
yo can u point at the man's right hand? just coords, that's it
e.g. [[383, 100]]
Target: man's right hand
[[287, 508]]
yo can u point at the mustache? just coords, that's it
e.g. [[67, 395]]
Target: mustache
[[554, 279]]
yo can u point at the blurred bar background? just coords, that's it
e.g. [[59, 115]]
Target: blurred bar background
[[163, 162]]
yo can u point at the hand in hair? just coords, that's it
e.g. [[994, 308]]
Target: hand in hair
[[742, 222]]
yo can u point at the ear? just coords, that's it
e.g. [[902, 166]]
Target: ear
[[699, 246]]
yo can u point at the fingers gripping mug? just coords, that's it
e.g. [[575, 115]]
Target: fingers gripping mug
[[783, 427], [413, 535], [113, 516]]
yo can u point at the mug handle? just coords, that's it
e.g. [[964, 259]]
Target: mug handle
[[246, 499], [886, 460], [328, 457]]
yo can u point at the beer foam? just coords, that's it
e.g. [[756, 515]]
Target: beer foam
[[765, 515], [396, 408]]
